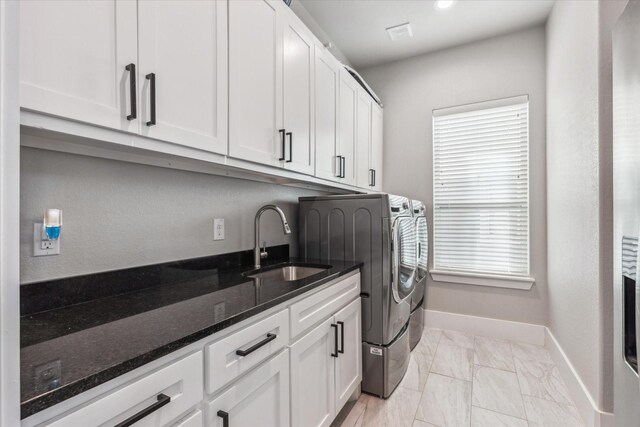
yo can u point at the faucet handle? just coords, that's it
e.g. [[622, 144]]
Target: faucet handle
[[263, 252]]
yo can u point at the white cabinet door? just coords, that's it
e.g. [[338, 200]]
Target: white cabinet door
[[349, 361], [259, 399], [347, 124], [73, 56], [363, 139], [376, 147], [255, 79], [327, 81], [297, 86], [312, 377], [183, 53]]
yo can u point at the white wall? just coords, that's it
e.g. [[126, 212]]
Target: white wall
[[579, 199], [500, 67], [119, 215]]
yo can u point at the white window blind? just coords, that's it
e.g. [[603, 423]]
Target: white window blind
[[481, 188]]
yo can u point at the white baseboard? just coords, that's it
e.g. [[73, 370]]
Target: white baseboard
[[495, 328], [530, 334], [583, 400]]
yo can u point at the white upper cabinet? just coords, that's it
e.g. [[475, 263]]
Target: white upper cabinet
[[297, 94], [270, 86], [327, 81], [347, 127], [376, 147], [255, 81], [74, 57], [363, 139], [183, 59]]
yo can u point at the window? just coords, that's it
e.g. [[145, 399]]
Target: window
[[481, 188]]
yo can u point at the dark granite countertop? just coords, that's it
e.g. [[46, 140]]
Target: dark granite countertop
[[96, 327]]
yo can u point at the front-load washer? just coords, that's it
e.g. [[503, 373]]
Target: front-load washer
[[416, 324], [379, 231]]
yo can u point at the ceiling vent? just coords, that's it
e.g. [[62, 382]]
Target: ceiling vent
[[398, 32]]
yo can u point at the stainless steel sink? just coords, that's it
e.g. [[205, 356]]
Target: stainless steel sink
[[288, 273]]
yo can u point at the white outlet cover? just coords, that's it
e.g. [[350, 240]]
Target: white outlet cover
[[37, 242], [218, 229]]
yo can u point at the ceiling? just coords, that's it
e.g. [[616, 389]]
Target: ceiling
[[357, 27]]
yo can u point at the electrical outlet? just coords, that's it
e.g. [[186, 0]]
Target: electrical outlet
[[44, 247], [218, 229]]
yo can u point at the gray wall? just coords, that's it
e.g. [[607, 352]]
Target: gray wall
[[410, 89], [579, 201], [119, 215]]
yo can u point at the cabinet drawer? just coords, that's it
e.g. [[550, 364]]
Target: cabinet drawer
[[223, 364], [321, 305], [193, 420], [261, 398], [180, 381]]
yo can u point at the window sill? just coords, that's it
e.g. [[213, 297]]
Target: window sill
[[509, 282]]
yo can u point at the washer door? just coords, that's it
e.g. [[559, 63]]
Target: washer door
[[404, 257], [423, 248]]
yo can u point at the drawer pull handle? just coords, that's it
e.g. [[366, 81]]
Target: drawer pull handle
[[131, 68], [163, 399], [225, 418], [335, 335], [152, 97], [269, 338], [290, 135], [341, 350], [282, 133]]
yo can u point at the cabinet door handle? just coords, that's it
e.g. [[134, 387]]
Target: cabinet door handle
[[344, 167], [131, 68], [163, 399], [341, 350], [268, 339], [371, 178], [339, 167], [290, 135], [335, 336], [152, 94], [225, 418], [419, 250], [374, 177], [282, 140]]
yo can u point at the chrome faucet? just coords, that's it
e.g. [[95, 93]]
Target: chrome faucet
[[257, 253]]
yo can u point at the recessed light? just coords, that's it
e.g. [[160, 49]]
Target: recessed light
[[402, 31], [444, 4]]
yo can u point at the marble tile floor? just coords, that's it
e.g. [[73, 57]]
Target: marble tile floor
[[457, 379]]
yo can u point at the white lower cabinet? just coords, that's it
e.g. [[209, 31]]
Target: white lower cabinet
[[194, 420], [313, 377], [326, 368], [349, 360], [261, 398], [179, 383], [294, 366]]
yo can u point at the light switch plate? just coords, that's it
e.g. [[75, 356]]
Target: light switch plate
[[44, 247], [218, 229]]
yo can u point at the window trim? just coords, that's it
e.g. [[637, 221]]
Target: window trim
[[525, 281], [489, 280]]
